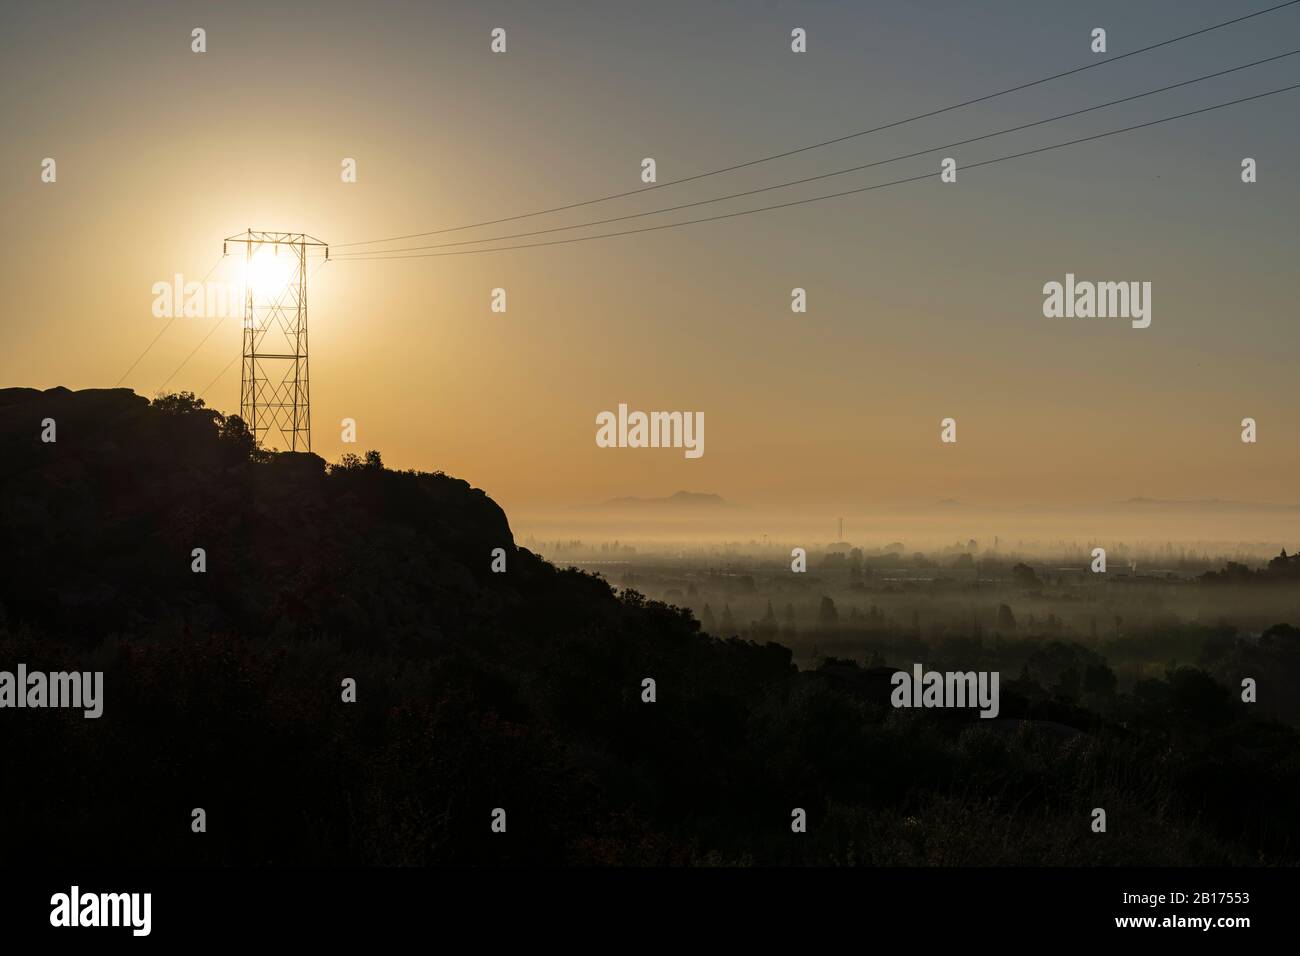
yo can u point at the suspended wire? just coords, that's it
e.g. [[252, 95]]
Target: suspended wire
[[214, 328], [167, 325], [809, 179], [830, 142], [847, 192], [219, 375]]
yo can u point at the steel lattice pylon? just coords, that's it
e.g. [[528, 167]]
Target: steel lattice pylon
[[274, 390]]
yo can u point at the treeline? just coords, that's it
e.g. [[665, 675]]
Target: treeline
[[1282, 570]]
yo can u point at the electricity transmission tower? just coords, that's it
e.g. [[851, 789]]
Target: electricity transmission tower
[[274, 390]]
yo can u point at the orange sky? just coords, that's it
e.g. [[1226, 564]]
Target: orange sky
[[924, 300]]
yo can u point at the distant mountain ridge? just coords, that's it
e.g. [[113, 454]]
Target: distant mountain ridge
[[680, 499]]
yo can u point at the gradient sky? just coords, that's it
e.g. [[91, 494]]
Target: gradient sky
[[924, 299]]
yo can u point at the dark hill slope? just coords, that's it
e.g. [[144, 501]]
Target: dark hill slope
[[475, 688], [478, 690]]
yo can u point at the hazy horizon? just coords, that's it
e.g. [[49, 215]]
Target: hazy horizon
[[1259, 533]]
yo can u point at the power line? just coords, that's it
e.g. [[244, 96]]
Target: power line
[[809, 179], [165, 327], [830, 142], [847, 192], [192, 354], [219, 374]]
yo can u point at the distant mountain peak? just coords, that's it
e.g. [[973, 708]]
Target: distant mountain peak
[[697, 496], [678, 499]]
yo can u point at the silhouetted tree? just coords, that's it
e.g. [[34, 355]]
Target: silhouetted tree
[[178, 403], [238, 438], [767, 629], [1023, 576], [1281, 635]]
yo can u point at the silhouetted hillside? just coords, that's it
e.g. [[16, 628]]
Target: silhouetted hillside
[[520, 690]]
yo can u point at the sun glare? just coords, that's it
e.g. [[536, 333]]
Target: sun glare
[[269, 271]]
